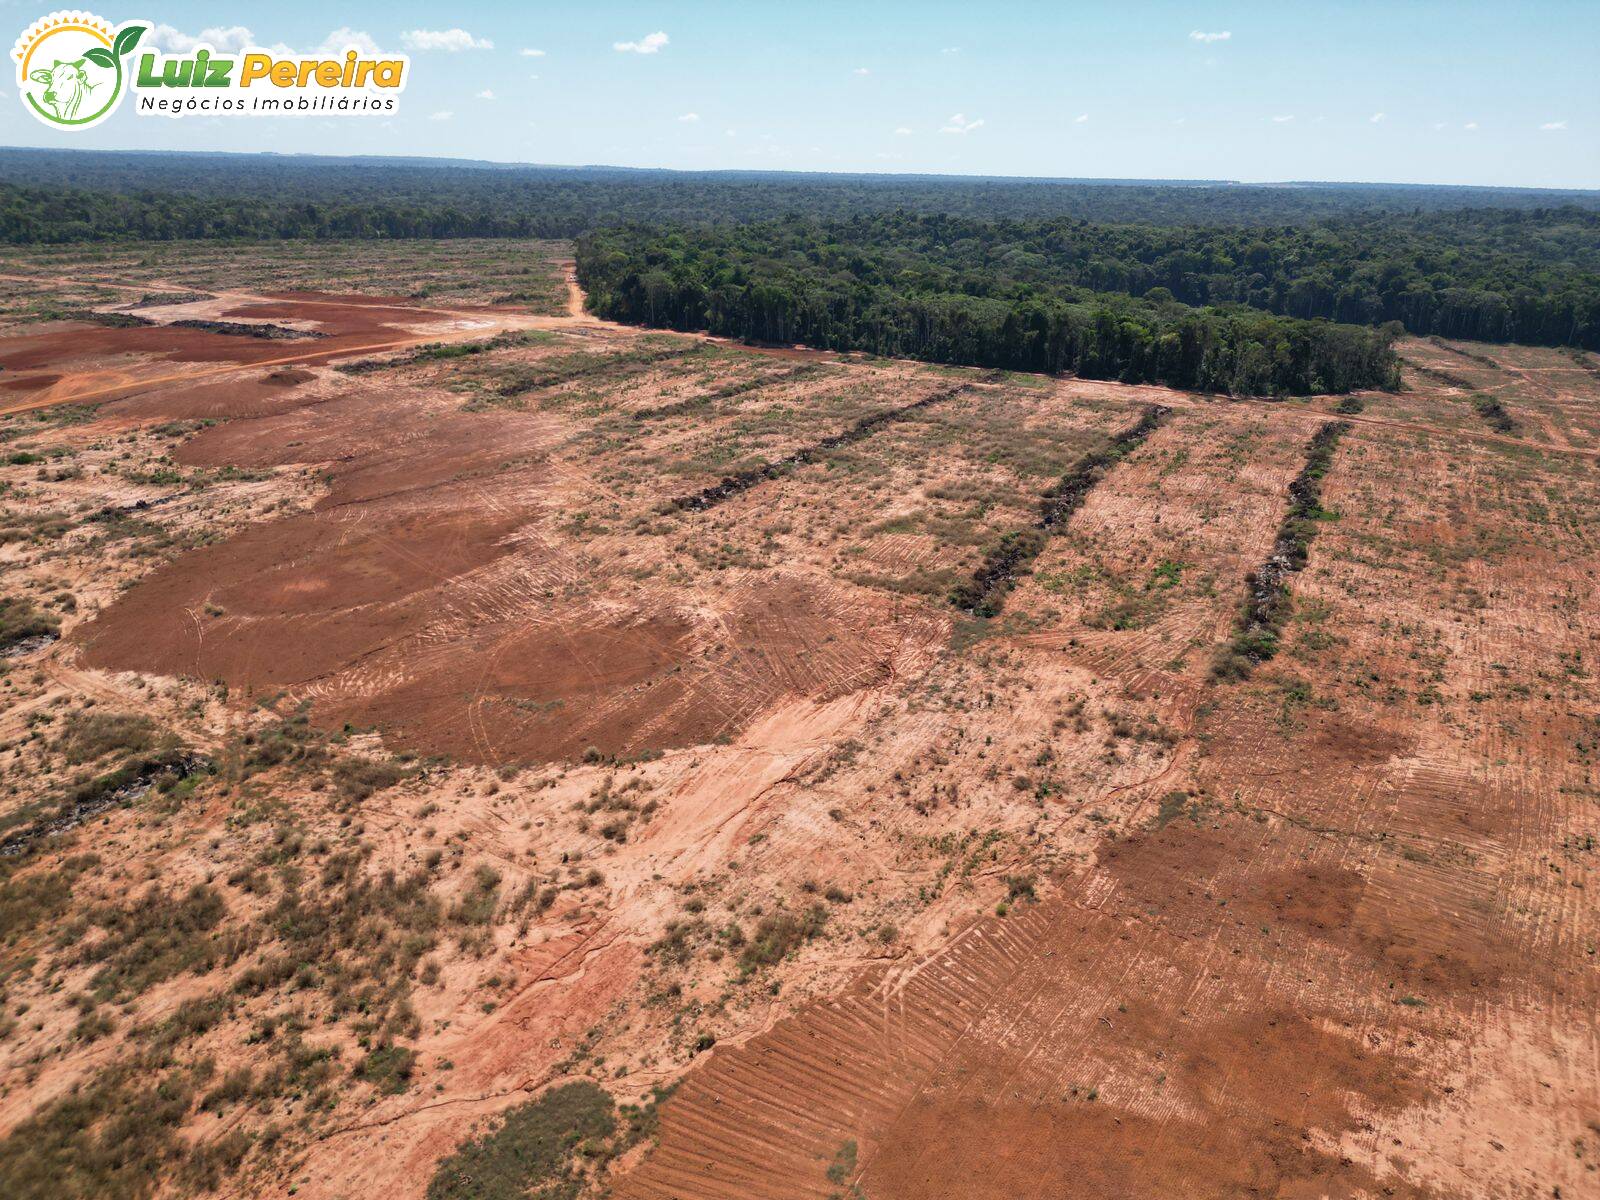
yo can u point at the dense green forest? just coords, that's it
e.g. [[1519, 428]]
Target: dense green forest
[[1101, 277], [1478, 263], [860, 285], [63, 196], [1486, 275]]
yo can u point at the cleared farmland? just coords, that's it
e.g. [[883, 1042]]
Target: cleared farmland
[[516, 790]]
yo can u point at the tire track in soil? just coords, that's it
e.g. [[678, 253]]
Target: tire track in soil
[[994, 1027], [1283, 1073]]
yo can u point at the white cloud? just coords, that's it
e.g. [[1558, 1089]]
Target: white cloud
[[1081, 119], [1470, 125], [689, 118], [951, 50], [232, 39], [902, 132], [443, 114], [1200, 35], [1549, 125], [443, 39], [528, 52], [960, 124], [486, 94], [1378, 118], [730, 133], [1181, 121], [1439, 124], [861, 71], [344, 38], [650, 43], [1283, 120]]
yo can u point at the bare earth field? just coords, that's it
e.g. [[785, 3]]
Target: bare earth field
[[452, 746]]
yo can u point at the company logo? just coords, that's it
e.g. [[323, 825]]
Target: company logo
[[73, 69], [70, 68]]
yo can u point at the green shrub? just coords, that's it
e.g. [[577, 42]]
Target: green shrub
[[28, 899], [115, 1138], [529, 1151], [778, 935], [359, 778], [388, 1068], [20, 621], [157, 937], [844, 1163], [89, 736]]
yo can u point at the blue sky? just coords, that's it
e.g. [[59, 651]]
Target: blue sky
[[1467, 92]]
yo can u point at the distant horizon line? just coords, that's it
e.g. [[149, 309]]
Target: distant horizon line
[[1107, 181]]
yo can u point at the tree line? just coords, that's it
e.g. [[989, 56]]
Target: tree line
[[1484, 275], [1476, 263], [565, 201], [826, 285], [53, 216]]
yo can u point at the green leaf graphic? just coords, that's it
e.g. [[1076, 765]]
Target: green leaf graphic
[[100, 57], [128, 39]]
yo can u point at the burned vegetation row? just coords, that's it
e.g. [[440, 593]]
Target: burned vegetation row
[[264, 330], [159, 769], [727, 391], [1492, 412], [742, 481], [1268, 601], [433, 352], [985, 593]]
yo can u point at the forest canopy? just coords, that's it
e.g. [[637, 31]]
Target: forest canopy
[[1485, 275], [894, 287], [1284, 289], [1478, 263], [329, 196]]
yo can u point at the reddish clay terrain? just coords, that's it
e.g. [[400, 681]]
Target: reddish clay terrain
[[507, 703]]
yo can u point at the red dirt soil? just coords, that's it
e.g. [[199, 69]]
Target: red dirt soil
[[1308, 979], [66, 362], [416, 598], [1324, 932], [70, 344]]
